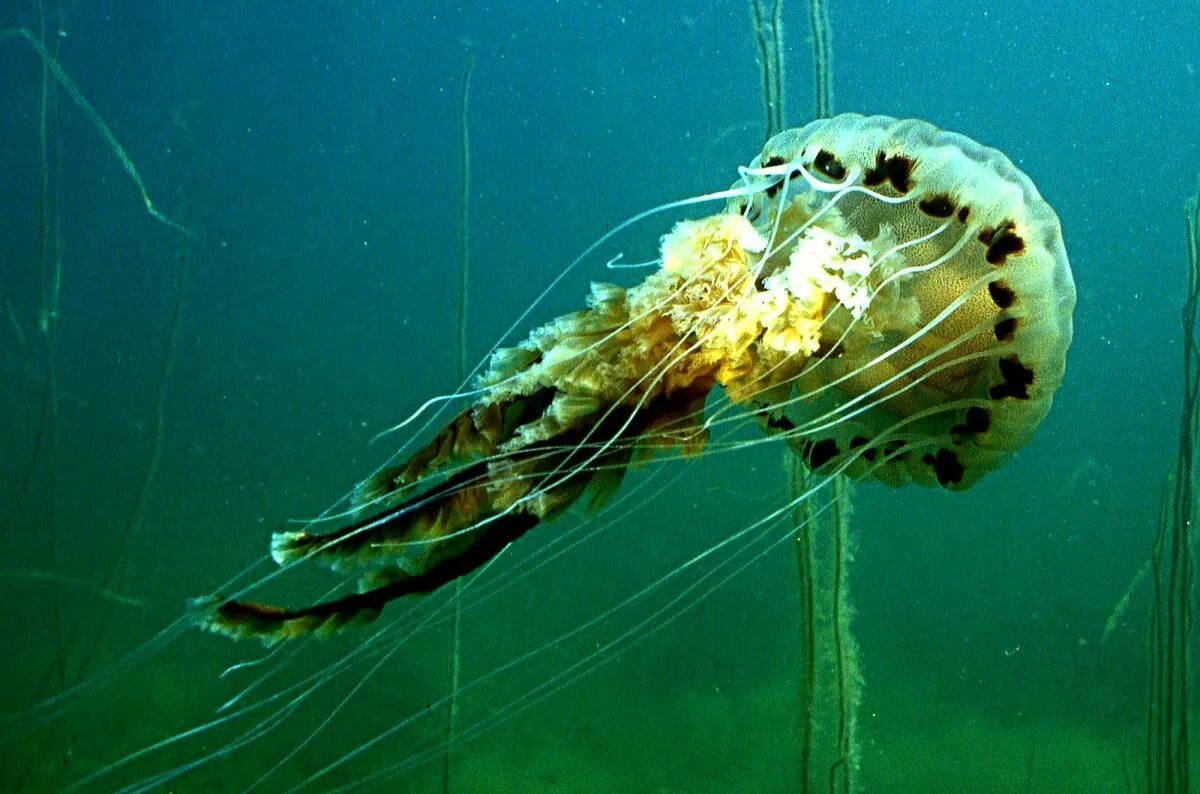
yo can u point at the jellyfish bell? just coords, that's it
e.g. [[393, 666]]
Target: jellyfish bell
[[893, 299], [948, 355]]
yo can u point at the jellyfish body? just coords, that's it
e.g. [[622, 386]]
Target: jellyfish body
[[893, 299]]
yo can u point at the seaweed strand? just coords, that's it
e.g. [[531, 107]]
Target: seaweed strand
[[1172, 567], [818, 18], [454, 674]]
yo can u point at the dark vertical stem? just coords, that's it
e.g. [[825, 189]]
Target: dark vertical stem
[[45, 451], [818, 17], [767, 27], [47, 236], [777, 66], [808, 662], [831, 665], [840, 771], [761, 45], [1168, 734], [464, 216]]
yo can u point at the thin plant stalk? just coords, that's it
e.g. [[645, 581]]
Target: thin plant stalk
[[802, 518], [830, 677], [44, 454], [45, 440], [48, 232], [822, 45], [766, 21], [464, 245], [847, 672], [65, 81], [1172, 567]]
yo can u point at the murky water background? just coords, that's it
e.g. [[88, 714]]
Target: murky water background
[[315, 155]]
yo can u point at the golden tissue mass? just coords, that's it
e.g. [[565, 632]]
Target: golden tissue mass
[[892, 299]]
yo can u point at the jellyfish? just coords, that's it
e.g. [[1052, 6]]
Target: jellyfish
[[891, 299], [888, 300]]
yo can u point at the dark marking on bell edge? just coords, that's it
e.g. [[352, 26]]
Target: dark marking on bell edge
[[821, 452], [771, 162], [874, 177], [963, 214], [946, 467], [828, 165], [1002, 296], [978, 419], [895, 169], [937, 206], [1005, 329], [975, 421], [747, 208], [1017, 380], [1003, 242]]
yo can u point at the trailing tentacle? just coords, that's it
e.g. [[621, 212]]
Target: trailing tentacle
[[455, 527]]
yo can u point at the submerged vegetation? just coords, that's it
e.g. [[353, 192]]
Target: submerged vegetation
[[1172, 568], [829, 676]]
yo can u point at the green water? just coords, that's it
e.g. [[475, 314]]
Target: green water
[[323, 152]]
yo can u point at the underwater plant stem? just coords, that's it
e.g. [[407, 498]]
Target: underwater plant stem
[[45, 441], [841, 774], [464, 218], [1180, 592], [830, 681], [818, 18], [802, 519], [50, 278], [767, 27], [50, 63], [831, 678], [464, 252], [48, 234], [1168, 739]]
